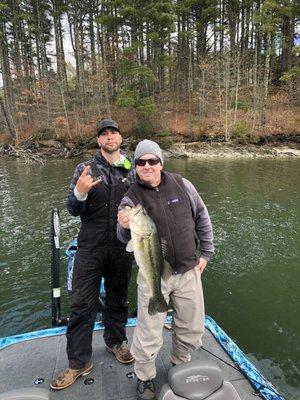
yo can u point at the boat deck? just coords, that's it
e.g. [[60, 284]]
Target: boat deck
[[23, 363]]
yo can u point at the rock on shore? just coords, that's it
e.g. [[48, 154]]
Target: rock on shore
[[205, 150]]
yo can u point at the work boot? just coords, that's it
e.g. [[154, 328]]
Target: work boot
[[121, 353], [69, 376], [145, 390]]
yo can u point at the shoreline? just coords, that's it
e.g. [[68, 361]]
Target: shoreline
[[221, 150], [52, 149]]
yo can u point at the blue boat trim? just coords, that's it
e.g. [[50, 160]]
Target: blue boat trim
[[257, 380], [43, 333]]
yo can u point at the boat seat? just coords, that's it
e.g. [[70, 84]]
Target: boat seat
[[197, 380], [26, 394]]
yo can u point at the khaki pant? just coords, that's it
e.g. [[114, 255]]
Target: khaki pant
[[185, 291]]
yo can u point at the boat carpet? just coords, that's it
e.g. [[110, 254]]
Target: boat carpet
[[39, 360]]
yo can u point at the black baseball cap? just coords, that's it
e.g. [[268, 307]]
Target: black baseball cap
[[106, 123]]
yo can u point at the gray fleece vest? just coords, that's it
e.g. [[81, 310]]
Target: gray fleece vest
[[169, 207]]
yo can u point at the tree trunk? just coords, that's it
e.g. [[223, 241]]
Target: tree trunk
[[16, 33], [9, 122], [265, 82], [222, 21], [59, 47], [5, 67], [286, 58], [92, 37]]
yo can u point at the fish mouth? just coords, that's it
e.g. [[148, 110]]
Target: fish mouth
[[145, 229], [137, 209]]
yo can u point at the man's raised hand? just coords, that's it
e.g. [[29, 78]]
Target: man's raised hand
[[85, 181]]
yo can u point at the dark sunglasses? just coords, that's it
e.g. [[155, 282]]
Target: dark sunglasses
[[151, 161]]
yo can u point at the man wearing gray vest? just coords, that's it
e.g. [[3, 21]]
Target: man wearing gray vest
[[181, 218]]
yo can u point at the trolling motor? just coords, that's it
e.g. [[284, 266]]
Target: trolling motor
[[197, 380], [55, 270]]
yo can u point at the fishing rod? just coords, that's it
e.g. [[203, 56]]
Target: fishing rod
[[55, 271]]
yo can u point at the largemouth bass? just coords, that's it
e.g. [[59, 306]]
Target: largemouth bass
[[146, 246]]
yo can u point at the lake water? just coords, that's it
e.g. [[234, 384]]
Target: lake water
[[252, 286]]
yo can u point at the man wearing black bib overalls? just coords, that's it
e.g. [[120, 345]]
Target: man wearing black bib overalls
[[95, 193]]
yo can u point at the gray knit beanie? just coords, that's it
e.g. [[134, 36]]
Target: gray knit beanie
[[148, 147]]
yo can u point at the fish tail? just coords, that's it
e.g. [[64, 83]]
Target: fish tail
[[157, 305]]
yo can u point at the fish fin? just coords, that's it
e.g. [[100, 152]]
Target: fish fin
[[163, 243], [129, 246], [167, 271], [157, 305]]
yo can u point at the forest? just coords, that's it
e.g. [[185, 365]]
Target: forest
[[184, 69]]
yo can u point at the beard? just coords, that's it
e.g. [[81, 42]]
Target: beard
[[111, 149]]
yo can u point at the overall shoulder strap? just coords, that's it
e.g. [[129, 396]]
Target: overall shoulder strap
[[96, 172]]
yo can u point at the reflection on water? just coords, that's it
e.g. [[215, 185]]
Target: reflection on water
[[251, 286]]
